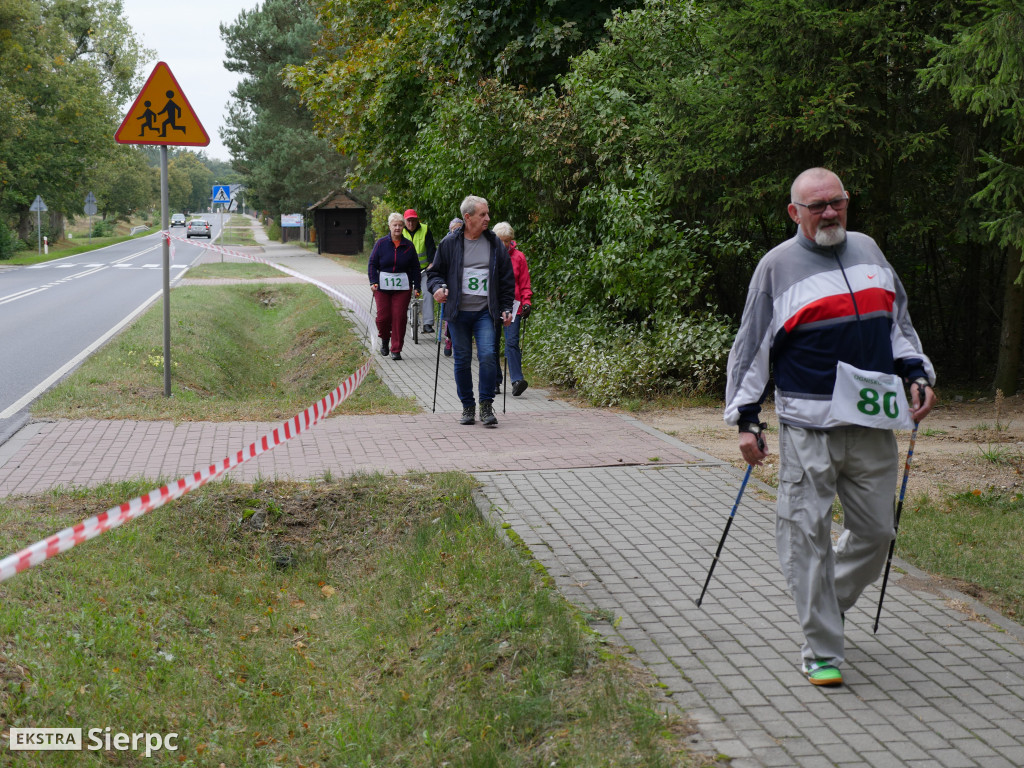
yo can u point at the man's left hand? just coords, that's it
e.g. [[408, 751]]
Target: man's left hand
[[506, 319], [922, 400]]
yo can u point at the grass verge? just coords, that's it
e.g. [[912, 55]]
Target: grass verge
[[72, 248], [373, 621], [976, 539], [237, 231], [249, 352], [233, 270]]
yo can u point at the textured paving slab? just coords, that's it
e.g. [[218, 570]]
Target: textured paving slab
[[89, 452], [932, 688]]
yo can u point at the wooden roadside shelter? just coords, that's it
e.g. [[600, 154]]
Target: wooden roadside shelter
[[339, 221]]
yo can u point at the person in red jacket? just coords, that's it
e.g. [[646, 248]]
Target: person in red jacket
[[394, 272], [524, 295]]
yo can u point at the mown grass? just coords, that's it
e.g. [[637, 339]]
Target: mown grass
[[232, 270], [375, 621], [357, 262], [237, 231], [247, 352], [974, 538], [72, 248]]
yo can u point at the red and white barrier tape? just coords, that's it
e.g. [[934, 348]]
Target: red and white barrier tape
[[115, 516]]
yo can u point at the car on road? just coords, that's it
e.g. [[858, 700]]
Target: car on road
[[198, 228], [178, 220]]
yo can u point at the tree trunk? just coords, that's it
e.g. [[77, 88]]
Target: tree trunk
[[1010, 337]]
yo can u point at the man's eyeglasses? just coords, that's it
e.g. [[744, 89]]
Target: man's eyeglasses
[[839, 204]]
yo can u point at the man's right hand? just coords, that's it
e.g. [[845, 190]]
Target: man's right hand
[[441, 294], [754, 448]]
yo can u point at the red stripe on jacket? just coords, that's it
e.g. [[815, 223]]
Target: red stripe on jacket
[[841, 305]]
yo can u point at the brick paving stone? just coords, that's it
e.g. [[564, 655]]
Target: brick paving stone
[[634, 537]]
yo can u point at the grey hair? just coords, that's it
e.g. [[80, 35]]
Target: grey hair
[[503, 230], [470, 204], [816, 173], [395, 217]]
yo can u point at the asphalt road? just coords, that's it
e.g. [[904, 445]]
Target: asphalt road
[[54, 314]]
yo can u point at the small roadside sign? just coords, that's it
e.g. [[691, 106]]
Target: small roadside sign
[[90, 204], [161, 114], [221, 193], [38, 205]]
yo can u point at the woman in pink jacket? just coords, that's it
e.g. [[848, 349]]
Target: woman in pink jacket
[[524, 295]]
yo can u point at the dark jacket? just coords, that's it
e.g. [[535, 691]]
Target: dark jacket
[[386, 257], [447, 269]]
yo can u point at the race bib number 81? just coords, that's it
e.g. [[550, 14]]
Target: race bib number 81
[[474, 282], [870, 399]]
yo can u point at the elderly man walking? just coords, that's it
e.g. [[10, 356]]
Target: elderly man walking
[[827, 317], [472, 276]]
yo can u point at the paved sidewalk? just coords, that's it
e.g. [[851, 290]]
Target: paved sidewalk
[[626, 519]]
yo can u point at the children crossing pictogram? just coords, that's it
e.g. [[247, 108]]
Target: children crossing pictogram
[[173, 123]]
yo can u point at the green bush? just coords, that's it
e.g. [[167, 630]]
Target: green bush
[[103, 228], [379, 218], [607, 362], [622, 293], [10, 243]]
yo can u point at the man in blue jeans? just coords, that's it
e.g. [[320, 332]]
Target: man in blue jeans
[[472, 276]]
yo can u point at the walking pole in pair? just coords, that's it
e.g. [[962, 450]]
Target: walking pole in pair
[[896, 525], [728, 523], [437, 368], [504, 377]]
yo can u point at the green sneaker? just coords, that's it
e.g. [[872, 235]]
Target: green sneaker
[[823, 673]]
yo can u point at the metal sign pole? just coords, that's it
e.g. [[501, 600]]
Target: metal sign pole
[[164, 222]]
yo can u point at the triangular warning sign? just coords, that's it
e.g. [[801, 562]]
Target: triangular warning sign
[[162, 115]]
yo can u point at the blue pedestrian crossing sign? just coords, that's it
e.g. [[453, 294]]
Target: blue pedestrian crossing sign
[[221, 193]]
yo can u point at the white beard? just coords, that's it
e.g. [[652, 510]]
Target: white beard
[[830, 236]]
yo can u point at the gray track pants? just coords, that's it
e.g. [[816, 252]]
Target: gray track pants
[[428, 302], [860, 465]]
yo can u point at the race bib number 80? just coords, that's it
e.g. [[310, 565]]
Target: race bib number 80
[[870, 399]]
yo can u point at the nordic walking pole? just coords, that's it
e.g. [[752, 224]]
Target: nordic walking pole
[[437, 368], [728, 524], [896, 525], [504, 377]]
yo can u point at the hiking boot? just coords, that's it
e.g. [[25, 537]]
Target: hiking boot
[[497, 388], [468, 415], [518, 387], [396, 355], [385, 347], [428, 328], [487, 417], [820, 672]]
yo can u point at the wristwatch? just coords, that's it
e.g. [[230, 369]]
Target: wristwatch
[[755, 429]]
